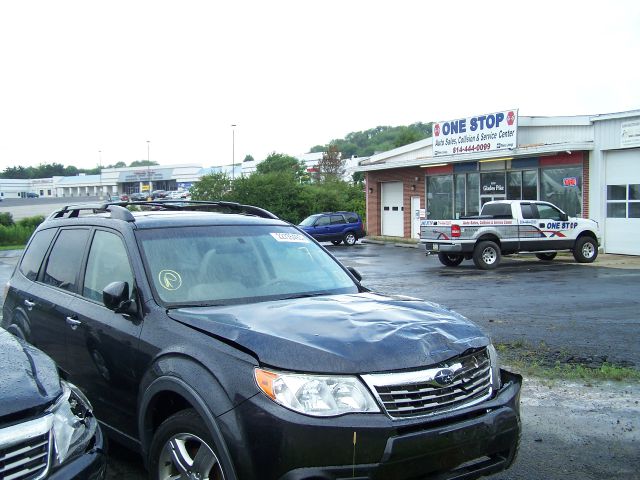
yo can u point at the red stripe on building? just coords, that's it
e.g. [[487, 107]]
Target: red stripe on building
[[562, 159], [439, 170]]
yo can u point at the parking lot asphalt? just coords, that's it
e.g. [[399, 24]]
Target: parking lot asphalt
[[585, 310], [570, 431]]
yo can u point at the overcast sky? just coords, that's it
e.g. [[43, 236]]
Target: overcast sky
[[79, 77]]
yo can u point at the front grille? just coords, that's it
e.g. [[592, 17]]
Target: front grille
[[456, 383], [25, 450]]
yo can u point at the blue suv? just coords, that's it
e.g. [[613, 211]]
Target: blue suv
[[334, 227]]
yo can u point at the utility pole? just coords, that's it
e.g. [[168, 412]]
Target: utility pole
[[233, 152]]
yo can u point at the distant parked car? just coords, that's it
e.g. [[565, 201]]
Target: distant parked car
[[335, 227], [32, 195], [124, 197], [156, 194], [47, 427], [138, 197], [114, 197]]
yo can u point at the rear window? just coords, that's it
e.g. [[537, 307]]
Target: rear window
[[65, 258], [497, 210], [35, 253]]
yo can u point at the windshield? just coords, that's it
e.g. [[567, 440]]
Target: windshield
[[217, 265], [308, 222]]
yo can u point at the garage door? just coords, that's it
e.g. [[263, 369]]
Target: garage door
[[622, 223], [392, 214]]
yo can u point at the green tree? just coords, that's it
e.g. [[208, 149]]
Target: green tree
[[279, 162], [331, 165], [248, 158], [214, 186], [142, 163], [278, 191]]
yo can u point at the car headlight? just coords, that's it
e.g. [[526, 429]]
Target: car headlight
[[495, 367], [73, 423], [316, 395]]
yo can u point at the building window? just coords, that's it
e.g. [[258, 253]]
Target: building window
[[440, 197], [459, 208], [623, 201], [563, 188], [473, 197]]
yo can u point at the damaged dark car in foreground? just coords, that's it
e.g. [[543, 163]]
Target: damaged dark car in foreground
[[231, 345], [47, 429]]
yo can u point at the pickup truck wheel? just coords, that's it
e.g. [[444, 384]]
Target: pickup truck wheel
[[486, 255], [349, 239], [182, 448], [450, 260], [547, 257], [585, 250]]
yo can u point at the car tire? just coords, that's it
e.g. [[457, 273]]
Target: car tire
[[585, 250], [336, 242], [546, 257], [349, 239], [450, 260], [486, 255], [175, 445]]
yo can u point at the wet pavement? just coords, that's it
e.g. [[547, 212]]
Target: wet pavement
[[585, 310], [590, 310]]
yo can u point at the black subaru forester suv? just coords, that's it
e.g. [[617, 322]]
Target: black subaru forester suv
[[231, 345]]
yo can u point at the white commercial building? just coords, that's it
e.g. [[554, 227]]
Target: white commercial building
[[588, 165]]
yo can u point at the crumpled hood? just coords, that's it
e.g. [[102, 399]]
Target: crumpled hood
[[358, 333], [28, 377]]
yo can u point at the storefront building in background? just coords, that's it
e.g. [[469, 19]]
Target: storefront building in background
[[587, 165]]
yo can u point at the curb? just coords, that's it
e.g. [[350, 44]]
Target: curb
[[10, 253]]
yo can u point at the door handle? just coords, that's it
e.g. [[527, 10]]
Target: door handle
[[29, 304], [73, 322]]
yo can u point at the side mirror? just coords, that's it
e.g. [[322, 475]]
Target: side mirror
[[355, 273], [564, 217], [115, 296]]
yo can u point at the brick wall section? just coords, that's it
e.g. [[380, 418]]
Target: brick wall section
[[408, 178]]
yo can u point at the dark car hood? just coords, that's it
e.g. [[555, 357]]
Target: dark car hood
[[28, 377], [358, 333]]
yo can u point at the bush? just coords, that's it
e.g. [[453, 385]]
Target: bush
[[6, 219], [20, 232], [15, 235], [31, 222]]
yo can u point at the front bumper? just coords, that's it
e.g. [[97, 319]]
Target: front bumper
[[267, 441], [92, 465]]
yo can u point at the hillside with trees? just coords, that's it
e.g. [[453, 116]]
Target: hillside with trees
[[48, 170], [378, 139]]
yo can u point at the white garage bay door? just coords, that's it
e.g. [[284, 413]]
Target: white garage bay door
[[622, 223], [392, 211]]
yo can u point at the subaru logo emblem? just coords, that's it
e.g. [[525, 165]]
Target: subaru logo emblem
[[444, 377]]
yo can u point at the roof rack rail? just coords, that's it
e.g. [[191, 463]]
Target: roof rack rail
[[194, 205], [116, 210]]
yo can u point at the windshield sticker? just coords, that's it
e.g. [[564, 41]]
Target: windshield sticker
[[170, 279], [290, 237]]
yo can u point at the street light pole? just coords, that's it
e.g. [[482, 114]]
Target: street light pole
[[148, 167], [100, 169], [233, 152]]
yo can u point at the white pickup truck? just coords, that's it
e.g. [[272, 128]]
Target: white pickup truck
[[506, 227]]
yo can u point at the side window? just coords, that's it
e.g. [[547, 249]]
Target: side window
[[34, 255], [65, 259], [548, 212], [527, 211], [337, 219], [351, 218], [108, 262], [322, 221]]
